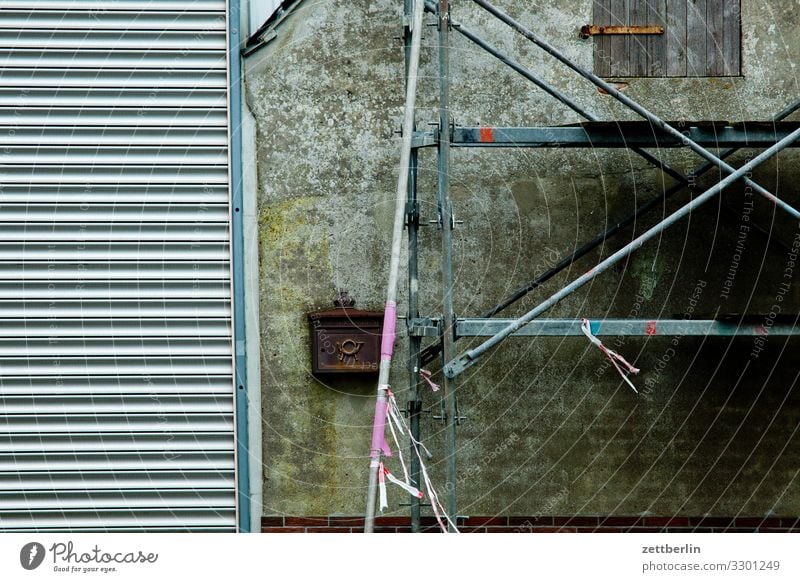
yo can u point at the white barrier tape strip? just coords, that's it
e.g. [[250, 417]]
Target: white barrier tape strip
[[384, 504], [615, 358], [393, 421], [426, 375], [438, 509], [395, 410], [412, 490], [393, 406]]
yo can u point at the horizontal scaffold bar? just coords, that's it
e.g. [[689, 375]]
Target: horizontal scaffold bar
[[625, 134], [479, 327]]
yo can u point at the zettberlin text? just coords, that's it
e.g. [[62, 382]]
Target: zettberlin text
[[667, 549]]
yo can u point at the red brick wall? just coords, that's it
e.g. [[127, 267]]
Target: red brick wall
[[522, 524]]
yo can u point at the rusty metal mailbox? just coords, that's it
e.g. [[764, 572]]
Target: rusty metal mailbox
[[345, 340]]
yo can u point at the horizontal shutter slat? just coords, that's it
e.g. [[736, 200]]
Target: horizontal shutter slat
[[116, 369]]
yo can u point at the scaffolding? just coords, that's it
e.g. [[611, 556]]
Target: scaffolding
[[651, 132]]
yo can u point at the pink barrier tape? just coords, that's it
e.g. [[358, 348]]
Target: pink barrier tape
[[379, 430], [388, 337]]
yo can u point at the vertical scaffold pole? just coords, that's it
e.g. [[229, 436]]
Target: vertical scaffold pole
[[447, 223], [414, 342]]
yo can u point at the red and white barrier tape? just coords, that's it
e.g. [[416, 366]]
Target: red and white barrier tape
[[392, 418], [426, 375], [438, 508], [410, 488], [384, 504], [383, 474], [397, 415], [615, 358]]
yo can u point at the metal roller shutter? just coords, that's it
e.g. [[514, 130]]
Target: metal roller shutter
[[116, 373]]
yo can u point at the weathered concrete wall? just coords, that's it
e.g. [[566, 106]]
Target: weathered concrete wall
[[551, 428]]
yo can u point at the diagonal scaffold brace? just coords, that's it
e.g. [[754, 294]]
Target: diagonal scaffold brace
[[467, 359], [459, 364], [429, 353], [390, 312]]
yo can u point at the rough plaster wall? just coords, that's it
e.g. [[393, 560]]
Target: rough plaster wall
[[550, 429]]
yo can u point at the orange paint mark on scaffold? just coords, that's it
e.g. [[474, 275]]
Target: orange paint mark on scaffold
[[486, 135]]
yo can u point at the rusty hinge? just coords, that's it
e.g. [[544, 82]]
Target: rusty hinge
[[595, 30]]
